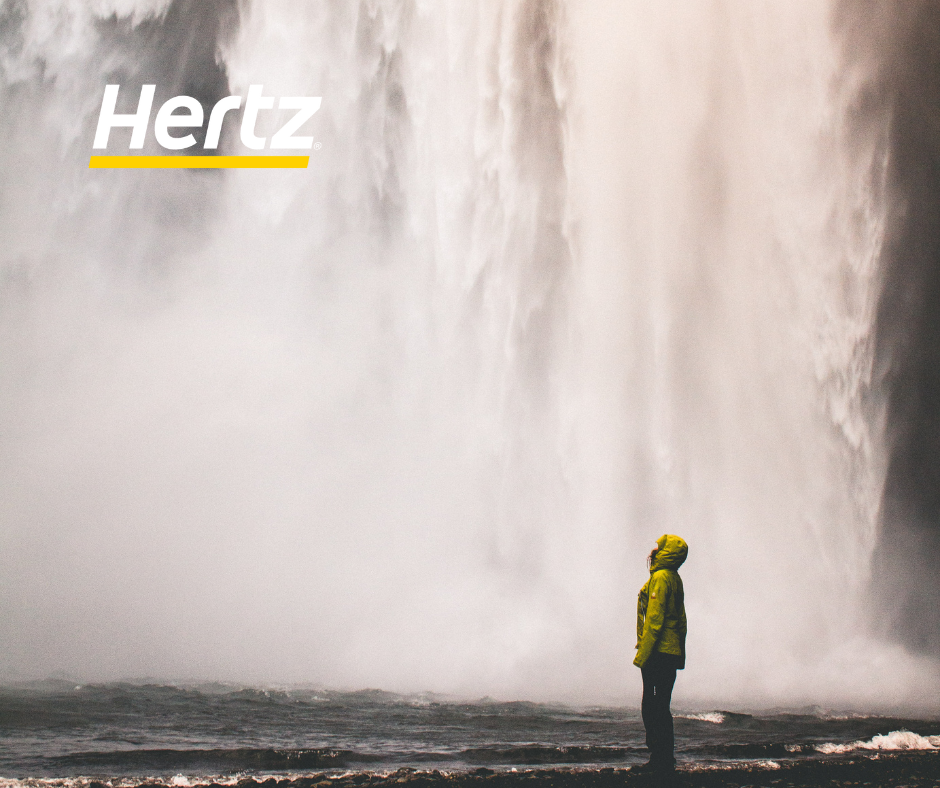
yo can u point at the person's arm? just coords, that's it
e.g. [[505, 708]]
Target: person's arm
[[683, 628], [654, 619]]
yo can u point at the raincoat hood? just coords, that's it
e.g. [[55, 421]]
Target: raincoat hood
[[671, 554]]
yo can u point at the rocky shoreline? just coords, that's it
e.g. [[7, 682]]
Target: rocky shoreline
[[895, 770]]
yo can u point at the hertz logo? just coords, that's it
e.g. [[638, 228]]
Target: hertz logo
[[185, 112]]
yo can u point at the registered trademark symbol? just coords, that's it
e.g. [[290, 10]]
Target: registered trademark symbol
[[317, 145]]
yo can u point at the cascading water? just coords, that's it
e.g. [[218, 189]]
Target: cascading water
[[741, 225], [562, 277]]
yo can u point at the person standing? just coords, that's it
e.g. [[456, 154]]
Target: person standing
[[660, 630]]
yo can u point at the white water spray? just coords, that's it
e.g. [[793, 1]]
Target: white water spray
[[562, 277]]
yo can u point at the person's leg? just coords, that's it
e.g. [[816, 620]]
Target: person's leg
[[647, 707], [659, 677], [665, 681]]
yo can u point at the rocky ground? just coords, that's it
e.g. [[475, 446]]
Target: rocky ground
[[901, 770]]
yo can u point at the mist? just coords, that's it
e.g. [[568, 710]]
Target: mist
[[561, 277]]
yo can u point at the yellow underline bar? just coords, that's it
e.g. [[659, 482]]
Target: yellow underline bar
[[196, 162]]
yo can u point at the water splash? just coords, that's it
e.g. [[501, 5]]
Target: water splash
[[559, 280]]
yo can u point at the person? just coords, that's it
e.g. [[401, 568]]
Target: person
[[660, 649]]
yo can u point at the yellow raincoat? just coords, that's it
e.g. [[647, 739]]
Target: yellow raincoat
[[660, 608]]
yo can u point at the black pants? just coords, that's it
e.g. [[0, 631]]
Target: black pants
[[659, 676]]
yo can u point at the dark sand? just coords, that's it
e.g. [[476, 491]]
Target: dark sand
[[901, 770]]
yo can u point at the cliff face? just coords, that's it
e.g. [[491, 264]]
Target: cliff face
[[907, 357]]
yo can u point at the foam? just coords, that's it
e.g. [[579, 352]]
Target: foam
[[729, 766], [896, 740], [710, 716], [768, 764], [179, 780]]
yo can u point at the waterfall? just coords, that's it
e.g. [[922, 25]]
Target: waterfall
[[737, 239], [561, 277]]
